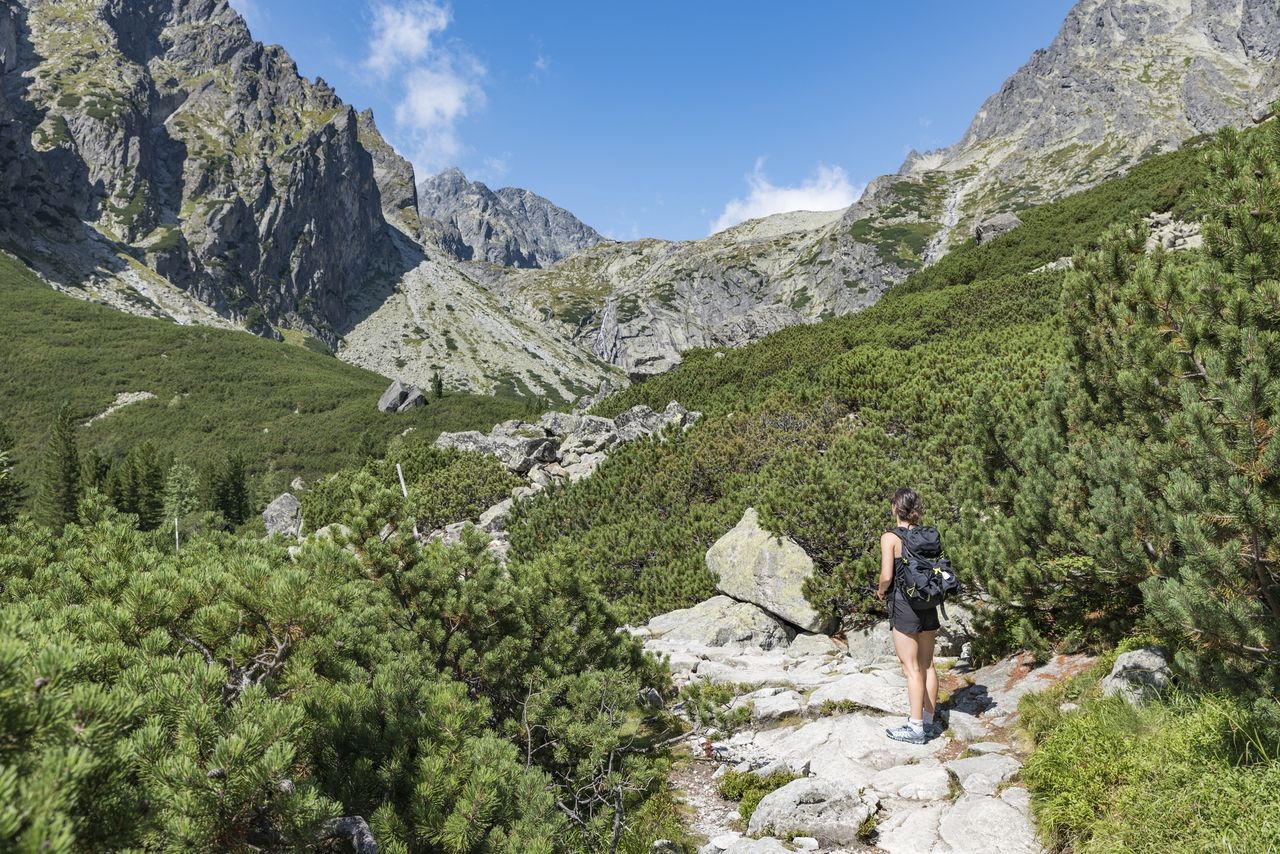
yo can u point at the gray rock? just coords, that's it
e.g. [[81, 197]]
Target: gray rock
[[283, 516], [752, 565], [925, 780], [808, 644], [768, 845], [637, 422], [651, 698], [1139, 675], [989, 747], [978, 824], [981, 775], [721, 621], [413, 399], [511, 227], [995, 226], [518, 454], [591, 434], [495, 518], [770, 704], [883, 690], [393, 397], [805, 843], [826, 810], [559, 423]]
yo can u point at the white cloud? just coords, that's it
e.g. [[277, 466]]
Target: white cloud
[[438, 82], [403, 33], [827, 190]]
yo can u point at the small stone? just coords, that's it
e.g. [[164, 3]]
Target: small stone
[[1139, 675], [989, 747], [805, 843], [981, 775]]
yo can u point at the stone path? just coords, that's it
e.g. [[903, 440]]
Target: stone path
[[819, 713]]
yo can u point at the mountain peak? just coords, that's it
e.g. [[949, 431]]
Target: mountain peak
[[511, 226]]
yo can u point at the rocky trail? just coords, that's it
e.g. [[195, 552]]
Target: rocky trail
[[816, 708], [790, 698]]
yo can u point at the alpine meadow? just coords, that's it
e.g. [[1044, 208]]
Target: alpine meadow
[[346, 507]]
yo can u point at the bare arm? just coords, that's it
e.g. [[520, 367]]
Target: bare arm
[[887, 543]]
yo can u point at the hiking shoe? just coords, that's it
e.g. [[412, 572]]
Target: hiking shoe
[[907, 733]]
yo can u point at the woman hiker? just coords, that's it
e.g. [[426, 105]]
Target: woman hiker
[[914, 631]]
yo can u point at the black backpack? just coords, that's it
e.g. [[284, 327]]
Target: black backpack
[[923, 576]]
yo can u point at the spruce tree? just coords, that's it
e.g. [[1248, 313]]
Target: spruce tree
[[11, 488], [61, 488], [437, 386], [230, 487]]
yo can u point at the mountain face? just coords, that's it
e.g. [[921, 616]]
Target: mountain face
[[170, 165], [510, 226], [200, 154], [1124, 79]]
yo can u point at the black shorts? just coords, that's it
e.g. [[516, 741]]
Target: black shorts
[[908, 620]]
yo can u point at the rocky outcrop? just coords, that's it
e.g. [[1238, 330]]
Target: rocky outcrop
[[1138, 676], [562, 448], [829, 811], [754, 565], [206, 156], [401, 398], [511, 227], [721, 621], [283, 516]]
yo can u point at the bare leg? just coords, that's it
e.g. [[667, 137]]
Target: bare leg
[[924, 659], [907, 647]]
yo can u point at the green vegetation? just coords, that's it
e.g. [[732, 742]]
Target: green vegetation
[[749, 789], [1183, 774], [288, 410], [227, 698], [1143, 482]]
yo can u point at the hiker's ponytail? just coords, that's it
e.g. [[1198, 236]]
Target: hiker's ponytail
[[907, 505]]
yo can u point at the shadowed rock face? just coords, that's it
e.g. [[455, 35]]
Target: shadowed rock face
[[204, 154], [510, 226]]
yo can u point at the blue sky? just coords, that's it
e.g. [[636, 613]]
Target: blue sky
[[664, 119]]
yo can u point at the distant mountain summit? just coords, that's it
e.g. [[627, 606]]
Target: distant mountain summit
[[511, 227]]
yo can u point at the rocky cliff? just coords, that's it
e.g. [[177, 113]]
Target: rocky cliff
[[170, 165], [202, 155], [511, 227], [1124, 79]]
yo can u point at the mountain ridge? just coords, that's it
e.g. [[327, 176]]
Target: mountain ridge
[[510, 226]]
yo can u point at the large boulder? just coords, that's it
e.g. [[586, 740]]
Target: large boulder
[[283, 516], [400, 398], [559, 423], [721, 621], [638, 421], [517, 453], [753, 565], [828, 810], [1138, 675], [590, 435], [995, 226]]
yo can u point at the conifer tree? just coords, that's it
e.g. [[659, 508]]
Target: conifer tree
[[181, 492], [61, 489], [437, 386], [11, 488], [230, 488]]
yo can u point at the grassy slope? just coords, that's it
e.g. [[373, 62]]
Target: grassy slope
[[291, 410]]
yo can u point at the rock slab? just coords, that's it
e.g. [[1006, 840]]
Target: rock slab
[[753, 565]]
